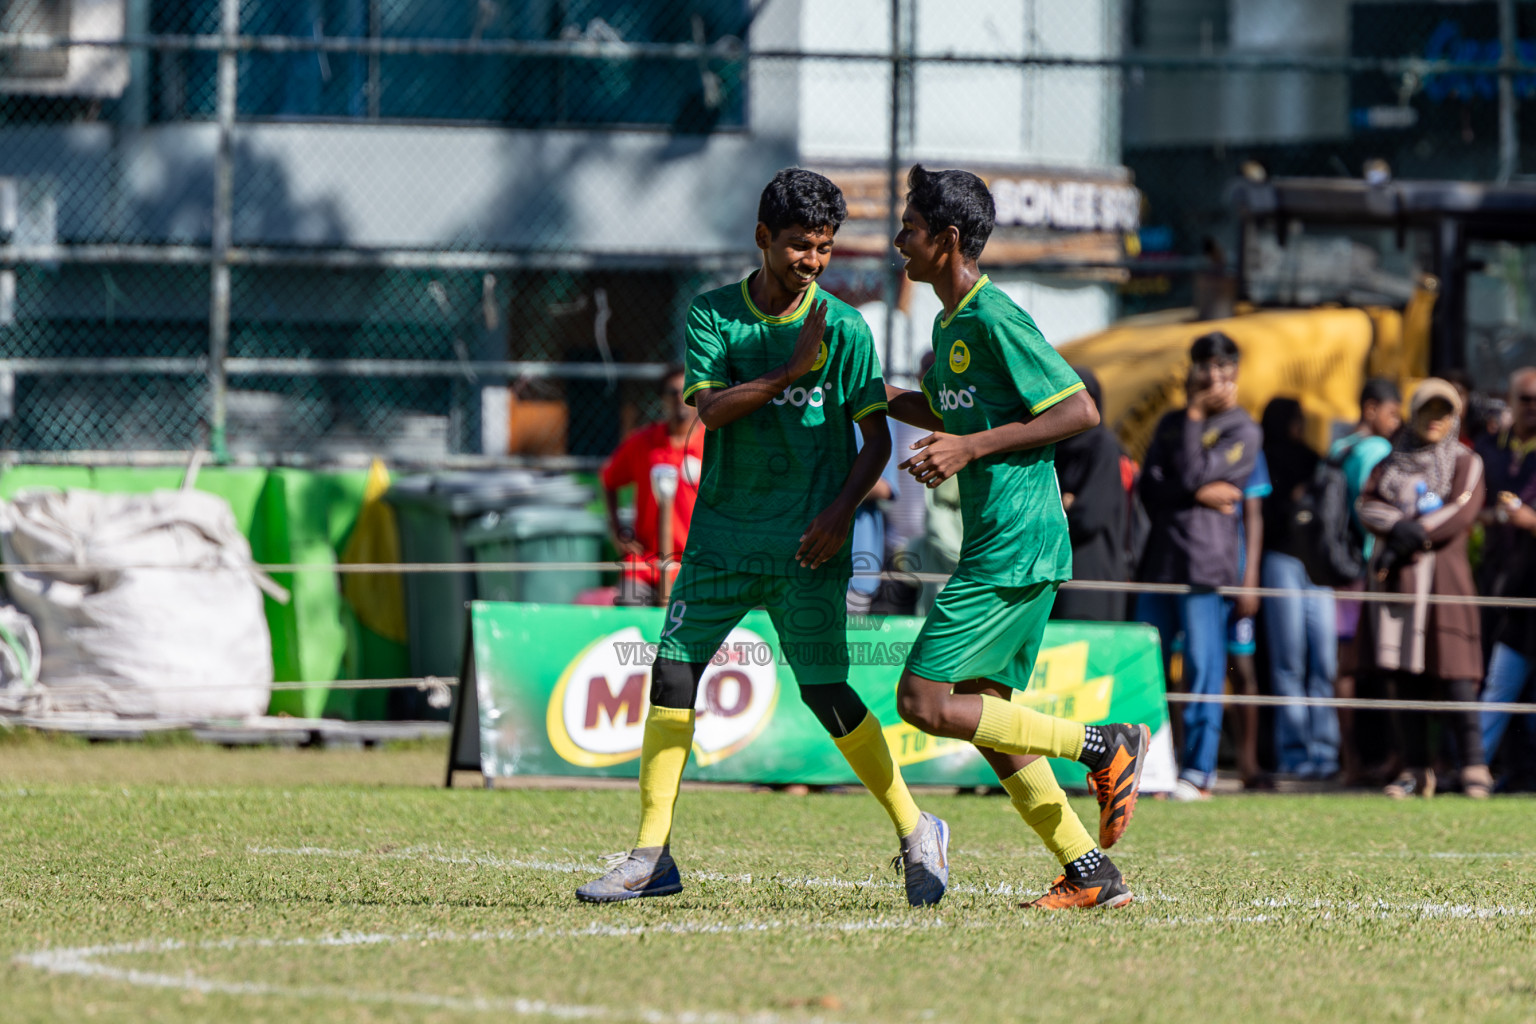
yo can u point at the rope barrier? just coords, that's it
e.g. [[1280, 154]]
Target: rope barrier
[[419, 568], [439, 693], [1236, 699], [1357, 703]]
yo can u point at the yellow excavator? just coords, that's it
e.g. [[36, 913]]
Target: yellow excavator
[[1339, 280]]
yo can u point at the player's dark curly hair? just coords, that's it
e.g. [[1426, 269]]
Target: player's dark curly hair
[[956, 198], [798, 196]]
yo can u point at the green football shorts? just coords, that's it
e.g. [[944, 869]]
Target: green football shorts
[[810, 614], [983, 631]]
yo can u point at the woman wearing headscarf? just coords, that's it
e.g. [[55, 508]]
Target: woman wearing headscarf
[[1420, 502]]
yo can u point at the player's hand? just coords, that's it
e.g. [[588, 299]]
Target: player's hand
[[1219, 495], [1245, 606], [939, 457], [808, 342], [824, 537]]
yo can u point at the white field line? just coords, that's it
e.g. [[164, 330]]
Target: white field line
[[1408, 854], [85, 961], [1381, 908], [577, 867]]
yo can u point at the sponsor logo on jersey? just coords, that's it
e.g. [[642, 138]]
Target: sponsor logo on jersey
[[1209, 438], [959, 356], [801, 397], [950, 400], [821, 358], [596, 715]]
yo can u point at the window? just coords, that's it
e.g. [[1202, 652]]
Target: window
[[528, 91], [36, 17]]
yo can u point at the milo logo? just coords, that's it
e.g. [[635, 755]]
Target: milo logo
[[596, 714], [950, 400]]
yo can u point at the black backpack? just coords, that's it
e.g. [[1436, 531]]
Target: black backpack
[[1332, 544]]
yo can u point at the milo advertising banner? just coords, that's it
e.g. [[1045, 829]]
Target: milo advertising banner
[[562, 690]]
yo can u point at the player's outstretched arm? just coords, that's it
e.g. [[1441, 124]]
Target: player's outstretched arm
[[824, 537], [719, 406], [911, 407], [940, 456]]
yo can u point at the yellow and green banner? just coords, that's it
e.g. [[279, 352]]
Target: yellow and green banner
[[562, 690]]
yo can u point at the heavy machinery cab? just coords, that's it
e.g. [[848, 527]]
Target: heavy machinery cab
[[1464, 252]]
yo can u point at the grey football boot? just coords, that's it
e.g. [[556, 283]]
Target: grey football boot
[[924, 861], [645, 872]]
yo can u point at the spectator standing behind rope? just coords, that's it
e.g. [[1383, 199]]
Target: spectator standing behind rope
[[1192, 485], [1509, 558], [1358, 453], [676, 441], [1302, 630], [1093, 495], [1421, 502]]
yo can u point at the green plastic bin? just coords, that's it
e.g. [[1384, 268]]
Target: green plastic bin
[[536, 534], [435, 512]]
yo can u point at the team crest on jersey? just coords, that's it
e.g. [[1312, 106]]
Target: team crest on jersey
[[959, 356], [1209, 438], [821, 358]]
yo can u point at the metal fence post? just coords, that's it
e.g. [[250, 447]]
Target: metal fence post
[[223, 207], [900, 69], [1509, 127]]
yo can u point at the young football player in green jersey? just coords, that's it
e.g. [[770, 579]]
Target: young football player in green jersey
[[782, 375], [997, 399]]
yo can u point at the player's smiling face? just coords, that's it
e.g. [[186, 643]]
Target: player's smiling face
[[795, 256], [920, 251]]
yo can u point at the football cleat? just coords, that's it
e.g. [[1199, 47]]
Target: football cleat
[[1104, 888], [632, 875], [923, 862], [1116, 784]]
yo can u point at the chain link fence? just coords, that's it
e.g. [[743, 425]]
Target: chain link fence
[[454, 233]]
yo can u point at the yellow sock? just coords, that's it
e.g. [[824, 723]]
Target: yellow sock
[[870, 757], [1043, 806], [1014, 729], [663, 755]]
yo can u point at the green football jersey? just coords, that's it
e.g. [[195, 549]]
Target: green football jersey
[[992, 366], [767, 475]]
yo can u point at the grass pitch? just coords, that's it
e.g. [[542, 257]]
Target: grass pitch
[[184, 884]]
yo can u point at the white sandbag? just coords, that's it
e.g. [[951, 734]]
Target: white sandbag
[[21, 651], [123, 636]]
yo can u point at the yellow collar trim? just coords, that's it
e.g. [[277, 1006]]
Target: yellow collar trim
[[1518, 448], [985, 280], [790, 317]]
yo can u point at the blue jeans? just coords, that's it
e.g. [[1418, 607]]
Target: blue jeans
[[1507, 675], [1303, 662], [1202, 618]]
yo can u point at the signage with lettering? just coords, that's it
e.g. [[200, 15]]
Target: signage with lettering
[[564, 690]]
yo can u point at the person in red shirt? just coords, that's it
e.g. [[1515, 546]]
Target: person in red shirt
[[676, 442]]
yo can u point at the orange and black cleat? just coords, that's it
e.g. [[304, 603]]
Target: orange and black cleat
[[1116, 784], [1104, 888]]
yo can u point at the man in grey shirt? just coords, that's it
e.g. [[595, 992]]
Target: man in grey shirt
[[1200, 458]]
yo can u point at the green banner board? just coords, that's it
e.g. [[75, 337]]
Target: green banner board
[[562, 690]]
